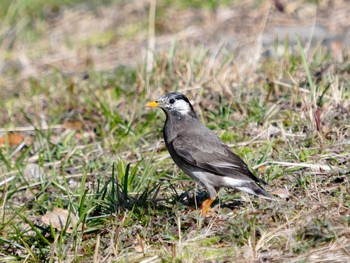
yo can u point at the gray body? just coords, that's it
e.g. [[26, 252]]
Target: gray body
[[200, 153]]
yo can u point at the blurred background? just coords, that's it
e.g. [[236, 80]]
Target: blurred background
[[38, 37]]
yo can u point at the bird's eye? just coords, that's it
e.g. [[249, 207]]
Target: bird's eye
[[171, 101]]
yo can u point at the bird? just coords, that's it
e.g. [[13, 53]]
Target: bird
[[201, 154]]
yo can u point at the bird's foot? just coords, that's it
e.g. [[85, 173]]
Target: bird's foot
[[205, 207]]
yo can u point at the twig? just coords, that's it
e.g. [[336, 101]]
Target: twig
[[31, 128], [306, 165], [7, 180]]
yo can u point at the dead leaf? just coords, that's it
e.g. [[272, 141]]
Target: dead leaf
[[281, 192], [337, 48], [262, 168], [139, 246], [279, 5], [317, 115], [73, 125], [11, 139], [58, 219]]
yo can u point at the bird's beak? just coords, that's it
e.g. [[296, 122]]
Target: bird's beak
[[152, 104]]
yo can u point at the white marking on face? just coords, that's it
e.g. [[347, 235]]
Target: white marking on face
[[182, 106]]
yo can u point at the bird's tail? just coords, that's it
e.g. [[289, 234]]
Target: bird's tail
[[255, 189]]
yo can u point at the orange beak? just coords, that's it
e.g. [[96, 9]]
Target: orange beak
[[152, 104]]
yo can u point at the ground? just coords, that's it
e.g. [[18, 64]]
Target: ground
[[271, 78]]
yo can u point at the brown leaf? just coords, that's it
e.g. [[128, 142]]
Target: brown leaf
[[281, 192], [317, 115], [73, 125], [12, 139], [58, 219], [279, 5], [262, 168]]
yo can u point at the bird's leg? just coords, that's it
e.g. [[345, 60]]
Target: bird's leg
[[205, 206]]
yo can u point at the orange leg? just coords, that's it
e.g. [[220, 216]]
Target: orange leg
[[206, 205]]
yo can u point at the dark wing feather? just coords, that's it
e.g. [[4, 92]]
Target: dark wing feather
[[208, 152]]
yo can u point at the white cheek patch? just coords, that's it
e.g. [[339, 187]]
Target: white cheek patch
[[182, 106]]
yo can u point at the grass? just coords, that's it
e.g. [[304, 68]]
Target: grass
[[91, 147]]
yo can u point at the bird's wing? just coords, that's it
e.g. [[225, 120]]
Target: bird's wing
[[207, 151]]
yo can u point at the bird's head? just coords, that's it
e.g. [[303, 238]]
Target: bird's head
[[173, 103]]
